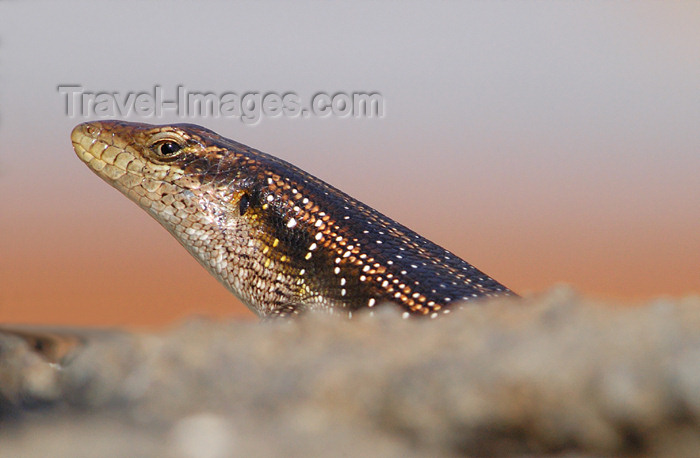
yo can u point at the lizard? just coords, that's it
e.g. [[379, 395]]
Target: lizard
[[280, 239]]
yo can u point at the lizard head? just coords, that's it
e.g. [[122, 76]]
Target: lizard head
[[142, 160], [166, 169]]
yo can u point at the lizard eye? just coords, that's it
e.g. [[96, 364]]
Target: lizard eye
[[167, 148]]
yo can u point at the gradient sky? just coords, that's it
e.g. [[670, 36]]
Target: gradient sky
[[544, 142]]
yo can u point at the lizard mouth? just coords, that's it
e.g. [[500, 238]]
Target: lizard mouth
[[84, 137], [101, 152]]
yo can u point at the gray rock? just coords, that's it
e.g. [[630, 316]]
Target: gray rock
[[550, 374]]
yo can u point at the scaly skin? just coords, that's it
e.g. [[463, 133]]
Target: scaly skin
[[280, 239]]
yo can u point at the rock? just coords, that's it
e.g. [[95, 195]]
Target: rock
[[547, 374]]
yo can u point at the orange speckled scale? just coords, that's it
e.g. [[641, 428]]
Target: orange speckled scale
[[281, 240]]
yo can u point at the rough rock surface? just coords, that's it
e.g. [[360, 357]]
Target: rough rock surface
[[552, 374]]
